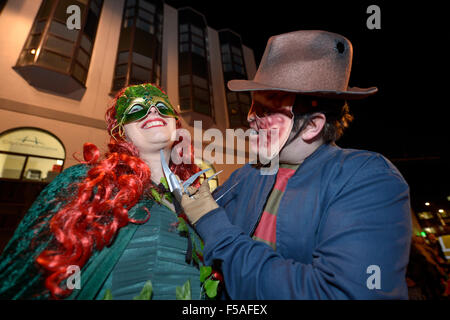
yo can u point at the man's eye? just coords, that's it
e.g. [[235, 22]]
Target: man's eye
[[136, 108]]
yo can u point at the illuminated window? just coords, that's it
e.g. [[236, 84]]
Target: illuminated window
[[445, 214], [54, 57], [30, 154], [425, 215], [430, 230], [140, 44]]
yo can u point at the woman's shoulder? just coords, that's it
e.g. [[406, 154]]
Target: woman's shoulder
[[74, 172], [70, 175]]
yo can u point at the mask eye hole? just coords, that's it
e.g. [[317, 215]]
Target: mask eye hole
[[165, 110], [161, 105], [136, 108]]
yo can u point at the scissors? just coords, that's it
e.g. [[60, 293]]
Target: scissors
[[177, 187]]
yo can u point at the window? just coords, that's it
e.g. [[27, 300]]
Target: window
[[139, 54], [52, 46], [30, 154], [232, 60], [234, 68], [200, 82], [195, 89], [425, 215]]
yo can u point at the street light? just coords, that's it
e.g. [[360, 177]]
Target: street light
[[427, 204], [441, 211]]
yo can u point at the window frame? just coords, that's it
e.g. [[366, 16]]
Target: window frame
[[46, 18], [233, 67], [27, 155], [130, 18], [193, 44]]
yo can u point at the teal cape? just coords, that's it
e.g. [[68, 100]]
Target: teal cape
[[152, 251]]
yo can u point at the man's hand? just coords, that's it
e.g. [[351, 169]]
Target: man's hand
[[200, 202]]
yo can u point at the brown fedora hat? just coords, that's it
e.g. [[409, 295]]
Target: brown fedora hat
[[309, 62]]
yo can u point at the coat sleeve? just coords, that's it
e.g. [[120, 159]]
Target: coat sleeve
[[361, 252]]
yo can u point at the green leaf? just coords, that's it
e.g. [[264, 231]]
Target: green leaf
[[136, 91], [164, 182], [184, 292], [211, 288], [146, 293], [155, 195], [108, 295], [168, 196], [205, 271], [194, 253], [122, 104], [182, 226]]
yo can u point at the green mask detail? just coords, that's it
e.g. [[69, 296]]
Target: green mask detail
[[136, 102]]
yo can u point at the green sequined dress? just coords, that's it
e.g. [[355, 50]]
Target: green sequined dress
[[153, 251]]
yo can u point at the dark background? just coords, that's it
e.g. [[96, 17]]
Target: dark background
[[406, 59]]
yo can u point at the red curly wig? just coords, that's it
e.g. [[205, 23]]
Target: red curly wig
[[93, 218]]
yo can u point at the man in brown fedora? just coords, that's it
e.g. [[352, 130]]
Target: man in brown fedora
[[332, 223]]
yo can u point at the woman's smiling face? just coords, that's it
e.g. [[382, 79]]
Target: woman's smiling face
[[153, 132]]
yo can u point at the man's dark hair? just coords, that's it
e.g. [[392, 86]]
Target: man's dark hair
[[336, 111]]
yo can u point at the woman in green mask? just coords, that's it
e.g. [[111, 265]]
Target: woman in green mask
[[108, 228]]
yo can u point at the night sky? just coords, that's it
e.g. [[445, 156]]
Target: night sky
[[405, 120]]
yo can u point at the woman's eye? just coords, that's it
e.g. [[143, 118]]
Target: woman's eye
[[136, 108]]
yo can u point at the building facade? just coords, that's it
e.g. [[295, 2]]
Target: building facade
[[62, 80], [62, 61]]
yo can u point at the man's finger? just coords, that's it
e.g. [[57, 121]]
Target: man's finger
[[191, 190], [184, 198], [204, 187]]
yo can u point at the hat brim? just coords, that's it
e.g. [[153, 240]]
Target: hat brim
[[352, 93]]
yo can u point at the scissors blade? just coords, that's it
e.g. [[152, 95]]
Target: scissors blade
[[215, 174], [192, 178], [174, 185], [234, 185]]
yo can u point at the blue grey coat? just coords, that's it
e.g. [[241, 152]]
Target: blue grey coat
[[343, 231]]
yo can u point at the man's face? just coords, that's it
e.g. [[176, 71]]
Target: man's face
[[271, 117]]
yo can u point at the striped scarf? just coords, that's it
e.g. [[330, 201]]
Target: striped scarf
[[266, 229]]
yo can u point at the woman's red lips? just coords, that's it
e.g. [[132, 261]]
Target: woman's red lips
[[153, 123]]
